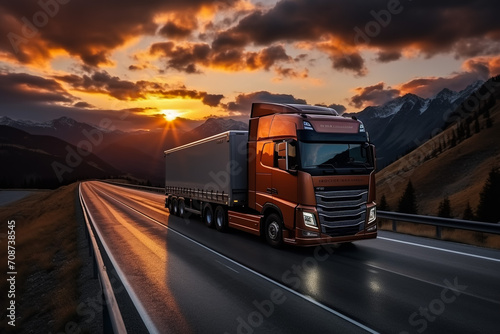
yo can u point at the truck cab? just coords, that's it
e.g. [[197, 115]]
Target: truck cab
[[311, 175]]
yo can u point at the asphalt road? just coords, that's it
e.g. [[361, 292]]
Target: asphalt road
[[185, 277]]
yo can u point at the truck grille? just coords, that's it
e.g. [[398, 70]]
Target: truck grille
[[342, 212]]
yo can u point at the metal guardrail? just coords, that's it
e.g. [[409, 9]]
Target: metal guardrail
[[111, 305], [136, 186], [439, 222]]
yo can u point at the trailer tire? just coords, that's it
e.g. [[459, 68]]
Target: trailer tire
[[220, 218], [208, 215], [170, 205], [274, 230], [181, 208], [175, 207]]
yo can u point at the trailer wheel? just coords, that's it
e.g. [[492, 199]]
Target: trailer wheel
[[171, 204], [220, 218], [274, 230], [181, 208], [175, 207], [208, 215]]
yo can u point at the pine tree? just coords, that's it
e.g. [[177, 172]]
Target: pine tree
[[408, 201], [468, 213], [383, 205], [444, 210], [489, 198], [477, 127]]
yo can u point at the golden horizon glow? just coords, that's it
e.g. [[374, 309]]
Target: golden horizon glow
[[170, 114]]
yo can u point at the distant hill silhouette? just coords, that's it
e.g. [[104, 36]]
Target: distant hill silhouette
[[45, 162]]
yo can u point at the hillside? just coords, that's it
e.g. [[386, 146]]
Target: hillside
[[45, 161], [438, 169]]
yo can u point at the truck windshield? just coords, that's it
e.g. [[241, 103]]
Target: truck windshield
[[335, 156]]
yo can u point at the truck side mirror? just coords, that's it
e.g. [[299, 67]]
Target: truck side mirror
[[282, 152]]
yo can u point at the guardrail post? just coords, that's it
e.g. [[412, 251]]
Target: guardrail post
[[394, 225], [438, 232]]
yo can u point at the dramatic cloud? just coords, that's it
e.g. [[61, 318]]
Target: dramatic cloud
[[373, 95], [102, 82], [89, 30], [243, 102], [24, 87], [475, 69], [187, 56], [465, 30]]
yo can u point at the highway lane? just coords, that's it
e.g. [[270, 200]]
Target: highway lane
[[184, 287], [393, 284]]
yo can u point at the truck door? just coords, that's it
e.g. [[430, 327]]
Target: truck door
[[284, 180]]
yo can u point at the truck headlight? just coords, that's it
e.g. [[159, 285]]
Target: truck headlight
[[372, 215], [309, 219]]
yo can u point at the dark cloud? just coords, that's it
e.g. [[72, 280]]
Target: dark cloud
[[84, 105], [373, 95], [212, 100], [180, 57], [388, 56], [102, 82], [466, 29], [90, 30], [186, 57], [338, 107], [176, 31], [15, 87], [243, 102]]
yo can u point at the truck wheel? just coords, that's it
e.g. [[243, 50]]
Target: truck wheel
[[170, 205], [208, 215], [181, 208], [274, 230], [220, 218], [175, 207]]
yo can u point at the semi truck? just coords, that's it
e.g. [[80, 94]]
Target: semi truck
[[301, 175]]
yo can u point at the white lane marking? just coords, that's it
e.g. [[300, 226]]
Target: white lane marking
[[133, 296], [298, 294], [431, 283], [441, 249], [228, 267]]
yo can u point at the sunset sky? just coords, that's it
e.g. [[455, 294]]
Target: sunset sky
[[136, 61]]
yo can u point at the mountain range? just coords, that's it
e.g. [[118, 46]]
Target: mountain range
[[137, 154], [406, 122]]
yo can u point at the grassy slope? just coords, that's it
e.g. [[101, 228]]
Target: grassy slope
[[459, 172], [47, 261]]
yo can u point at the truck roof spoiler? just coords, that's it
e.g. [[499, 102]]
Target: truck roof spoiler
[[263, 109]]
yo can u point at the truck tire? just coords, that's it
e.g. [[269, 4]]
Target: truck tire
[[208, 215], [175, 207], [170, 205], [181, 208], [274, 230], [220, 218]]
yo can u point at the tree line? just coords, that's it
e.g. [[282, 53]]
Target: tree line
[[486, 211]]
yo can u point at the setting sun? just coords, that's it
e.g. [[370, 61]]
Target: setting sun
[[170, 114]]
